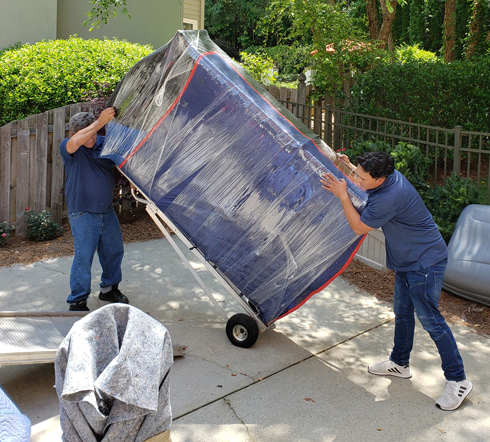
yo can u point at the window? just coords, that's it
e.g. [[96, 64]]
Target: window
[[189, 24]]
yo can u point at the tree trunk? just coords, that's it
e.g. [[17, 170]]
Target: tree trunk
[[475, 28], [373, 23], [450, 30], [388, 17]]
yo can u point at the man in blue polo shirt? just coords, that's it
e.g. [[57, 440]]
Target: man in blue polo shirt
[[89, 189], [417, 253]]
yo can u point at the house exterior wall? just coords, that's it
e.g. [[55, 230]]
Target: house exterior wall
[[152, 22], [194, 11], [27, 21]]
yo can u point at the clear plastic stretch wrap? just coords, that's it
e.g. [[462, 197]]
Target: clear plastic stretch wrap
[[236, 173]]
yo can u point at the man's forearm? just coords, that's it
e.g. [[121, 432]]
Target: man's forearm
[[353, 218], [82, 136]]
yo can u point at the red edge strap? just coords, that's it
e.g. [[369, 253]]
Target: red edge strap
[[182, 92], [324, 285], [160, 121]]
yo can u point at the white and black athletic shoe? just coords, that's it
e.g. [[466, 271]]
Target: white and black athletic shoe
[[454, 394], [389, 368]]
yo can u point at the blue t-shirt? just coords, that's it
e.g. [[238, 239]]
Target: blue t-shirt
[[411, 235], [89, 181]]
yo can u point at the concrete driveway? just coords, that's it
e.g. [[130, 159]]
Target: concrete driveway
[[306, 380]]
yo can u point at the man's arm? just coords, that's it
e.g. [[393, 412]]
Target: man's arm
[[83, 135], [339, 189]]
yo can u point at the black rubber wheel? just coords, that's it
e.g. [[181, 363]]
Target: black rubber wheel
[[242, 330]]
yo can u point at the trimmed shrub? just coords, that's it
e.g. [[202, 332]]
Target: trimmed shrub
[[427, 92], [40, 226], [51, 74]]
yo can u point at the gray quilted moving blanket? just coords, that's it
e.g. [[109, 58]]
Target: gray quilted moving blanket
[[14, 426], [112, 377]]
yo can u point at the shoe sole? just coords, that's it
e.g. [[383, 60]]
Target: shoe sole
[[396, 375], [459, 403]]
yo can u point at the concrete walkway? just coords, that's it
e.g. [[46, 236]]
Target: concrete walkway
[[304, 381]]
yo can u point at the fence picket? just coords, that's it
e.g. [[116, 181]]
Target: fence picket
[[5, 153], [58, 171], [41, 162]]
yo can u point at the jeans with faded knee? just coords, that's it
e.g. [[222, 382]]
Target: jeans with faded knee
[[419, 291]]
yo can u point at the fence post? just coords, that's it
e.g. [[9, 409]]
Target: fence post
[[301, 96], [336, 130], [457, 149], [328, 125]]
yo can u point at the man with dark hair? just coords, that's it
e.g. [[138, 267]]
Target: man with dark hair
[[417, 253], [89, 189]]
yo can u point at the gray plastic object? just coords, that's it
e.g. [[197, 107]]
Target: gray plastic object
[[468, 268]]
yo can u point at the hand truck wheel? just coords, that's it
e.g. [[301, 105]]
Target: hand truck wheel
[[242, 330]]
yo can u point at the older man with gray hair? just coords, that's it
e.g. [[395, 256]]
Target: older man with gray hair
[[89, 189]]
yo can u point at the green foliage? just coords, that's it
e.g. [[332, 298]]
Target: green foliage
[[259, 67], [4, 233], [432, 93], [290, 60], [323, 25], [405, 53], [447, 202], [234, 22], [40, 227], [55, 73], [417, 26], [10, 48], [103, 10]]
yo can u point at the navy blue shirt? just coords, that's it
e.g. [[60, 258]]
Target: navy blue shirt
[[411, 235], [89, 181]]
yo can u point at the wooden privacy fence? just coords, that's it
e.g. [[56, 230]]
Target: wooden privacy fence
[[31, 168]]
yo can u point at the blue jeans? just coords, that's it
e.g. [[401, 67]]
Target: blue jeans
[[94, 231], [420, 290]]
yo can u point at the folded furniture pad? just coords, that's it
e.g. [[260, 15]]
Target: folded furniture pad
[[468, 267], [234, 171]]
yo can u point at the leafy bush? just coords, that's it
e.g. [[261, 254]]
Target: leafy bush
[[409, 160], [40, 227], [55, 73], [405, 53], [447, 202], [426, 92], [4, 233], [259, 66], [290, 60]]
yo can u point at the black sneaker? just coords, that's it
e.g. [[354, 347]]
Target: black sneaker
[[80, 306], [114, 295]]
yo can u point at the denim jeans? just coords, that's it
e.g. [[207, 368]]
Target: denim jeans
[[420, 290], [91, 232]]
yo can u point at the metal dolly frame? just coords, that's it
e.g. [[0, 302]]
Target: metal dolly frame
[[241, 329]]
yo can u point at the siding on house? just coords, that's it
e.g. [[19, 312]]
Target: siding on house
[[152, 22], [27, 21], [194, 10]]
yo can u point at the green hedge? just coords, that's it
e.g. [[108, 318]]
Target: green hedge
[[427, 92], [51, 74]]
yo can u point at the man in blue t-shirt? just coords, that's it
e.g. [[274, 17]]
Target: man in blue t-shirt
[[417, 253], [89, 189]]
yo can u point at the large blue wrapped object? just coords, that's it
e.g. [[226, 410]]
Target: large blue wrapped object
[[234, 171]]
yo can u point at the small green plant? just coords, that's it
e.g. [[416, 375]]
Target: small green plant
[[259, 66], [411, 162], [4, 233], [40, 227], [448, 201]]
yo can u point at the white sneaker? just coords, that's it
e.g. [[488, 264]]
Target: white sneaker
[[389, 368], [454, 394]]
